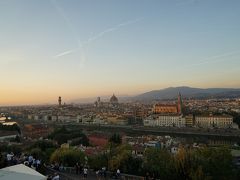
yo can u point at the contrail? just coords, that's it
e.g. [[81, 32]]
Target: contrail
[[114, 28], [214, 59], [72, 29], [65, 53], [98, 36]]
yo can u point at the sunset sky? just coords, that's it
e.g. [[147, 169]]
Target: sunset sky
[[89, 48]]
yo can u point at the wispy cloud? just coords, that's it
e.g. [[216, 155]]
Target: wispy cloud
[[98, 36], [214, 59]]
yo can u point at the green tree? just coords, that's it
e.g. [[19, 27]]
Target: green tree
[[215, 162], [119, 156], [37, 153], [98, 161], [62, 136], [67, 156], [115, 139], [159, 162], [2, 161]]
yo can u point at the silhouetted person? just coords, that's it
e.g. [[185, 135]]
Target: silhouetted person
[[147, 177], [85, 172], [77, 168]]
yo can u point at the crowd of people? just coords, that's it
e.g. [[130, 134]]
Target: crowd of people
[[83, 170], [28, 160]]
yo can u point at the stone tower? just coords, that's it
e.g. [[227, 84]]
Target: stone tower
[[180, 103], [59, 101]]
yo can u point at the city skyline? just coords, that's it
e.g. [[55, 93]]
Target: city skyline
[[80, 49]]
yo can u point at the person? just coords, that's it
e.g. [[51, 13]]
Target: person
[[97, 173], [49, 177], [81, 169], [118, 173], [77, 168], [85, 172], [38, 163], [61, 167], [147, 177], [56, 177], [9, 158], [30, 160], [104, 171], [153, 177]]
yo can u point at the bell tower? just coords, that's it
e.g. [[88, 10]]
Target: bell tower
[[60, 101], [179, 103]]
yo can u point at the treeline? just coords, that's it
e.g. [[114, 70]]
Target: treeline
[[187, 164]]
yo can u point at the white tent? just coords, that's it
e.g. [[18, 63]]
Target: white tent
[[20, 172]]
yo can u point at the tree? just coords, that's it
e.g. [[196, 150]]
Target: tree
[[186, 165], [42, 149], [37, 153], [118, 156], [2, 161], [98, 161], [205, 163], [67, 156], [215, 162], [43, 145], [159, 162], [62, 135], [115, 139]]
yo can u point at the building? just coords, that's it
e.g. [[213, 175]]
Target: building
[[165, 121], [98, 102], [60, 101], [98, 140], [164, 108], [114, 100], [214, 121], [189, 120], [169, 108]]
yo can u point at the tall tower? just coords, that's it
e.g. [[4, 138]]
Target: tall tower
[[179, 103], [59, 101]]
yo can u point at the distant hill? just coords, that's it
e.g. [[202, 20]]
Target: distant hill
[[188, 92]]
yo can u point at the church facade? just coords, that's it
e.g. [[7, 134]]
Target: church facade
[[169, 108]]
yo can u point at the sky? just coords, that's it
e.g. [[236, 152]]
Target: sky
[[89, 48]]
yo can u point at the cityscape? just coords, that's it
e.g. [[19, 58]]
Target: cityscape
[[133, 90]]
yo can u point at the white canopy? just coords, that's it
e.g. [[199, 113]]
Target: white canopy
[[20, 172]]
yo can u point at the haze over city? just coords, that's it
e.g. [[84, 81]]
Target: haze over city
[[79, 49]]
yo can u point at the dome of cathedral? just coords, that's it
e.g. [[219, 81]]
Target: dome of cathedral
[[113, 99]]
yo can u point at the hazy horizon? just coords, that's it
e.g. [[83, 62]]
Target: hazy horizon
[[91, 99], [82, 49]]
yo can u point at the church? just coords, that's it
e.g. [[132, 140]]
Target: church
[[169, 108]]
